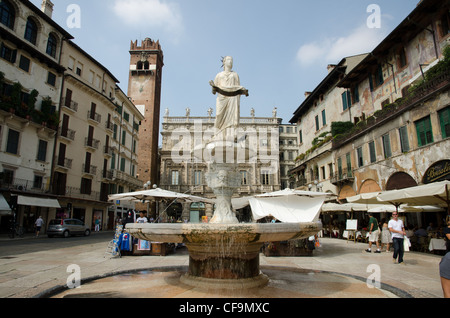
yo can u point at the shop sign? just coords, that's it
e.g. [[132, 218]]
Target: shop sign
[[439, 171]]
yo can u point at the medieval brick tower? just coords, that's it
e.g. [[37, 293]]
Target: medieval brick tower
[[144, 89]]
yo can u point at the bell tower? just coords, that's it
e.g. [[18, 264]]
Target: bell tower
[[144, 89]]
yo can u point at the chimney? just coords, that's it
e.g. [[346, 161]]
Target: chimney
[[307, 94], [47, 7]]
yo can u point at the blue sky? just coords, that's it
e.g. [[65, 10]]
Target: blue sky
[[280, 48]]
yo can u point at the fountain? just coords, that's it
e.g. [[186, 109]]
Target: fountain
[[224, 253]]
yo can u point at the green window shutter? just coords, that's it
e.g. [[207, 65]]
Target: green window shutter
[[404, 142], [373, 156], [444, 119], [344, 100], [424, 131]]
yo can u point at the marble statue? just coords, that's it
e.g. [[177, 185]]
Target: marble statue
[[228, 87]]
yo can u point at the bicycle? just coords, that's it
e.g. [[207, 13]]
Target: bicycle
[[16, 230]]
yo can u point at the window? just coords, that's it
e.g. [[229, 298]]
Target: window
[[51, 45], [373, 155], [339, 162], [359, 154], [424, 131], [387, 146], [265, 178], [402, 61], [24, 63], [317, 123], [324, 118], [71, 63], [12, 145], [31, 31], [175, 177], [8, 176], [124, 137], [38, 182], [79, 69], [404, 142], [349, 164], [86, 186], [7, 14], [42, 150], [379, 76], [445, 24], [8, 54], [346, 100], [126, 116], [355, 96], [300, 136], [122, 164], [444, 119], [197, 177], [51, 79], [243, 177]]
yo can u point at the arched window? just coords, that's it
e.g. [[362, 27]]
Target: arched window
[[146, 65], [139, 65], [51, 45], [7, 14], [31, 31]]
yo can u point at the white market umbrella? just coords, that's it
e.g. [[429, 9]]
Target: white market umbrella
[[404, 208], [152, 194], [437, 194], [365, 198]]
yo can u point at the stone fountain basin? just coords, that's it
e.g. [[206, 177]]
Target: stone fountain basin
[[223, 255], [208, 233]]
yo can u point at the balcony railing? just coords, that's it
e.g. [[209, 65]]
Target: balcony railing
[[23, 185], [94, 116], [90, 170], [92, 143], [64, 163], [67, 133], [124, 177], [70, 104], [343, 176]]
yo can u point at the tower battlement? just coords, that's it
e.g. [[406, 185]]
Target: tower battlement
[[147, 44]]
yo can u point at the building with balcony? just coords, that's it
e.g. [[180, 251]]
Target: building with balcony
[[182, 172], [401, 90], [389, 116], [314, 166], [30, 84], [68, 134], [288, 154]]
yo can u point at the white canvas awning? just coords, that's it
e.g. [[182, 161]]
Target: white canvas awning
[[289, 206], [40, 202], [4, 206]]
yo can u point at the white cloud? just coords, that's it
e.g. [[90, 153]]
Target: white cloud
[[332, 50], [150, 13]]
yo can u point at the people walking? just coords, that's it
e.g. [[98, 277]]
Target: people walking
[[373, 234], [397, 230], [386, 237], [97, 224], [38, 224]]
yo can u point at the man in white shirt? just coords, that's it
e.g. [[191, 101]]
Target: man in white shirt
[[38, 224], [397, 230], [141, 218]]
